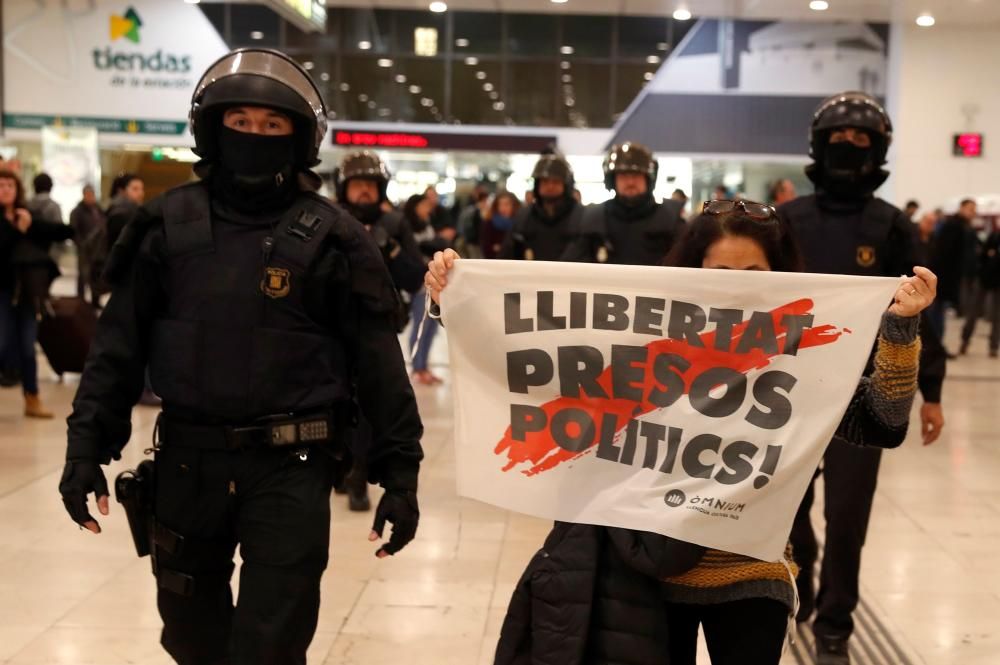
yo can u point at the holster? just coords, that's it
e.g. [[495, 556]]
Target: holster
[[134, 490]]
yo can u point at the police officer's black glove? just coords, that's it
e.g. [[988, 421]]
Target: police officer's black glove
[[399, 508], [80, 478]]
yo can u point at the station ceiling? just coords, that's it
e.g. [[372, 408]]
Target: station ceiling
[[946, 12]]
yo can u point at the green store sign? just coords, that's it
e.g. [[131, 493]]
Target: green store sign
[[109, 125]]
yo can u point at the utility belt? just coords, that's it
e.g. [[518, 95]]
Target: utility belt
[[135, 489], [271, 432]]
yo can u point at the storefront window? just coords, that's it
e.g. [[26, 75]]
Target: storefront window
[[365, 30], [296, 39], [642, 36], [629, 82], [533, 87], [532, 34], [365, 88], [584, 93], [588, 36], [418, 90], [419, 33], [468, 67], [254, 25], [477, 33], [478, 93]]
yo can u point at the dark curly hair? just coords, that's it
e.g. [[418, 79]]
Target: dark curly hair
[[19, 197], [773, 236]]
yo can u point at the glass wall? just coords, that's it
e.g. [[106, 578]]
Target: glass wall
[[467, 67]]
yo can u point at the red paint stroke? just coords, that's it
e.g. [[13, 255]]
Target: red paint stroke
[[541, 450]]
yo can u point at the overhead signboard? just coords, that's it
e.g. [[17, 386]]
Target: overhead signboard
[[308, 15], [115, 65], [478, 142]]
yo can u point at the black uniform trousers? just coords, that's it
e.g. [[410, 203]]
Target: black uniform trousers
[[274, 504], [850, 474]]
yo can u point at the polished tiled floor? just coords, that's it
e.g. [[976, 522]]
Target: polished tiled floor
[[931, 568]]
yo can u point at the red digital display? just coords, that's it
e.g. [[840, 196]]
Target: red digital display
[[473, 141], [968, 145], [380, 139]]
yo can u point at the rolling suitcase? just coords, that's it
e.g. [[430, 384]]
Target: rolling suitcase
[[67, 327]]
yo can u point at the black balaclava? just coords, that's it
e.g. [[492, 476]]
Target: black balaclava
[[847, 171], [256, 171]]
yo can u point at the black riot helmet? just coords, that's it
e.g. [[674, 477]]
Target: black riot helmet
[[258, 77], [630, 157], [851, 109], [556, 167], [361, 164], [841, 168]]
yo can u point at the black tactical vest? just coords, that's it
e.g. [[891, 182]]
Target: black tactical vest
[[638, 242], [235, 342], [541, 239], [868, 241]]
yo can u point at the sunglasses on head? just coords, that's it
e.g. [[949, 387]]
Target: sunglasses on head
[[760, 212]]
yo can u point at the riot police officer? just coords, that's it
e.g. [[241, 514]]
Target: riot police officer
[[362, 180], [632, 227], [545, 230], [258, 305], [845, 229]]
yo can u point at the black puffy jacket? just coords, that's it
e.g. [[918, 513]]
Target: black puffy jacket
[[590, 596]]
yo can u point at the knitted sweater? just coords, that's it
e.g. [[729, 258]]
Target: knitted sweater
[[878, 415]]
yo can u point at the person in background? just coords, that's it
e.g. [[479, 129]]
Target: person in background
[[497, 223], [417, 212], [362, 181], [682, 198], [128, 191], [845, 229], [42, 207], [989, 287], [632, 227], [925, 237], [441, 219], [782, 191], [546, 229], [26, 272], [950, 256], [470, 221], [720, 193], [911, 208], [90, 233]]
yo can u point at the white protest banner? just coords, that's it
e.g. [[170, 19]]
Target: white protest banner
[[691, 403]]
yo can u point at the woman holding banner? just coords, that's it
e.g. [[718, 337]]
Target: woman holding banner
[[597, 605]]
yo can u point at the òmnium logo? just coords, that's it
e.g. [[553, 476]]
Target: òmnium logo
[[675, 498], [126, 26], [108, 59]]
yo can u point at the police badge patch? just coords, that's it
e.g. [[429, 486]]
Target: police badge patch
[[277, 282], [866, 256]]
